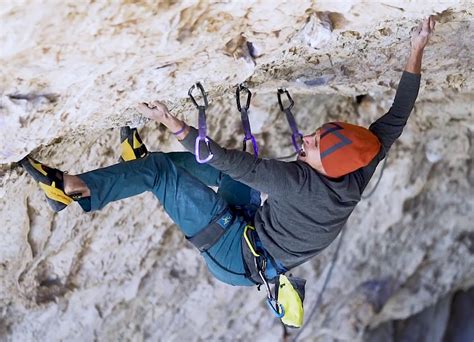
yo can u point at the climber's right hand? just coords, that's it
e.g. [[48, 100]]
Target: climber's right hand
[[421, 35]]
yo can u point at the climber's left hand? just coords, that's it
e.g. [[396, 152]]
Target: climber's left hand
[[155, 110]]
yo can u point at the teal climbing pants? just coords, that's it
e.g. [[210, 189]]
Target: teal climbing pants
[[182, 187]]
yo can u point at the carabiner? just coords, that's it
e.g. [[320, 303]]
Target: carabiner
[[202, 137], [272, 303], [197, 150], [245, 119], [280, 102], [237, 96], [276, 308], [202, 127], [296, 136], [203, 93]]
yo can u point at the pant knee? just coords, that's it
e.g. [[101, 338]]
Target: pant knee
[[158, 160], [161, 166]]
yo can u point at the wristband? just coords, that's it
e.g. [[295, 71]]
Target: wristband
[[180, 131]]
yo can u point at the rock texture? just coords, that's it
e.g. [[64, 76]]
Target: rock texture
[[449, 320], [71, 74]]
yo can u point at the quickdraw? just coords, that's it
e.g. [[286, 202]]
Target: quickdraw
[[272, 302], [202, 137], [245, 118], [296, 136]]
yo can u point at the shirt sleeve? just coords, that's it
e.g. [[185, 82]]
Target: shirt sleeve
[[390, 126], [270, 176]]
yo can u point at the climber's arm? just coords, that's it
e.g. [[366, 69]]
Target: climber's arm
[[419, 39], [390, 126], [414, 62], [270, 176], [158, 111]]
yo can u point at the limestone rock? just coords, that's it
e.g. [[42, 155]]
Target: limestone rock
[[72, 73]]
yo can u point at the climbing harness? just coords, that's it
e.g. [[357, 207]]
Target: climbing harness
[[245, 118], [296, 136], [287, 302], [260, 263], [208, 237], [202, 137]]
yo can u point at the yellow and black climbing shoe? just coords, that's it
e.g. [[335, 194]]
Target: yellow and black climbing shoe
[[132, 145], [50, 181]]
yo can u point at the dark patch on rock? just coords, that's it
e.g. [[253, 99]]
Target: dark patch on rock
[[5, 329], [426, 326], [174, 273], [460, 325], [445, 16], [386, 31], [318, 81], [252, 50], [333, 20], [49, 290], [467, 238], [378, 291], [240, 47], [360, 98], [35, 97]]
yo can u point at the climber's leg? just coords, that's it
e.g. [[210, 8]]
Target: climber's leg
[[235, 193], [191, 205]]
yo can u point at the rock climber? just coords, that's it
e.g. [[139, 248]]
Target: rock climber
[[309, 200]]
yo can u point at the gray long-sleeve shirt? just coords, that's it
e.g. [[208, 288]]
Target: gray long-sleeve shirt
[[305, 211]]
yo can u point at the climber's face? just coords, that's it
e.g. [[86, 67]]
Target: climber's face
[[310, 153]]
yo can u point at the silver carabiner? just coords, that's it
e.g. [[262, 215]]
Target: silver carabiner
[[202, 127]]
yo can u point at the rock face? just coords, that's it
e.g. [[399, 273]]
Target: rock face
[[72, 73], [448, 320]]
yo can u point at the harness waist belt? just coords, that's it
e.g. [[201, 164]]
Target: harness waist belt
[[256, 253], [208, 236]]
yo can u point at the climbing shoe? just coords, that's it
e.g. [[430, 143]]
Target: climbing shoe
[[132, 145], [50, 181]]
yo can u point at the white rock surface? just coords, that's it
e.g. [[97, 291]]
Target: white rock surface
[[71, 73]]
